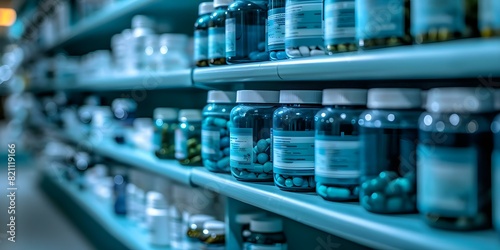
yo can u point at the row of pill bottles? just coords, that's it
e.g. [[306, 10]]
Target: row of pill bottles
[[188, 138], [204, 232], [165, 124], [215, 130]]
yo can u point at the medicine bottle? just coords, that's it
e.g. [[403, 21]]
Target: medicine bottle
[[217, 33], [157, 219], [489, 19], [124, 110], [250, 129], [454, 159], [205, 9], [215, 132], [188, 138], [194, 231], [337, 144], [172, 52], [214, 235], [149, 54], [165, 125], [293, 140], [340, 26], [246, 31], [142, 26], [382, 23], [495, 127], [389, 135], [276, 30], [304, 28], [243, 220], [120, 181], [435, 21], [266, 233]]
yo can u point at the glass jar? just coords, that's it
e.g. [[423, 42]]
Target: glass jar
[[205, 9], [250, 129], [172, 52], [195, 230], [243, 220], [215, 131], [382, 23], [246, 31], [454, 159], [436, 21], [214, 235], [266, 233], [188, 137], [276, 30], [337, 144], [164, 132], [304, 28], [217, 33], [495, 127], [389, 135], [293, 140], [340, 26], [489, 19]]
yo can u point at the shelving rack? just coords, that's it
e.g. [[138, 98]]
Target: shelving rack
[[471, 59]]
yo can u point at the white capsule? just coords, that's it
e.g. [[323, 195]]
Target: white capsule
[[304, 50], [317, 53], [293, 53]]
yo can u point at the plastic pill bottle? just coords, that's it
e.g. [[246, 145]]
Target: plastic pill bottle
[[495, 127], [276, 30], [454, 159], [215, 131], [293, 139], [337, 144], [217, 33], [435, 21], [266, 233], [304, 28], [246, 31], [172, 52], [382, 23], [157, 219], [142, 27], [195, 230], [165, 125], [243, 220], [250, 130], [188, 138], [214, 235], [489, 19], [205, 9], [389, 135], [340, 26]]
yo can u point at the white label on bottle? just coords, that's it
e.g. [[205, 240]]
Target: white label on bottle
[[293, 150], [337, 158], [210, 142], [180, 144], [241, 148], [340, 20], [304, 20]]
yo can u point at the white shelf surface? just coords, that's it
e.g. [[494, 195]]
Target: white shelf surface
[[248, 72], [346, 220], [120, 227]]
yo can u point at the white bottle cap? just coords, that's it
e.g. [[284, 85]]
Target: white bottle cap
[[189, 115], [165, 114], [217, 96], [219, 3], [246, 218], [497, 99], [344, 96], [300, 96], [461, 100], [214, 227], [266, 225], [384, 98], [205, 8], [257, 96], [196, 221], [156, 200], [141, 21]]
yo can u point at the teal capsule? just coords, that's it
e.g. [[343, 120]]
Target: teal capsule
[[394, 204], [387, 176], [297, 181], [321, 190], [224, 142], [262, 157], [251, 176], [268, 140], [262, 145], [258, 168], [220, 122], [334, 192], [263, 176], [268, 167], [312, 182], [366, 202], [229, 124], [210, 164], [223, 132], [226, 151], [224, 162], [280, 180], [393, 188], [209, 120], [377, 201], [411, 176], [406, 185], [377, 185], [289, 183]]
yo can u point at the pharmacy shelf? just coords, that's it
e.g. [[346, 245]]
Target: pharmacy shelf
[[101, 212], [469, 58], [346, 220]]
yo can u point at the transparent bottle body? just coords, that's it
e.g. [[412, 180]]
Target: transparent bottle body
[[164, 138], [188, 143]]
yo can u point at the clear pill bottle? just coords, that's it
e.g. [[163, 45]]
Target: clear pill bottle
[[165, 125], [215, 131], [454, 159], [142, 27], [157, 219], [382, 23], [495, 127], [337, 144], [489, 19], [304, 28], [436, 21], [250, 130], [276, 29], [172, 52], [194, 231], [217, 33], [214, 235], [188, 138], [149, 55], [243, 220], [246, 31], [266, 233], [340, 26], [205, 9], [389, 136], [293, 139]]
